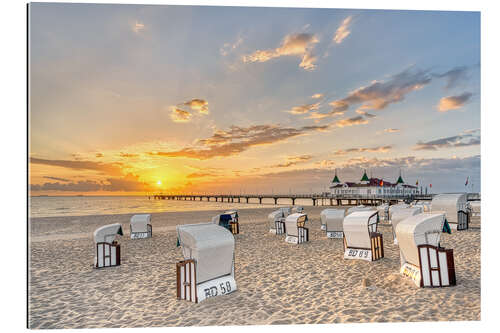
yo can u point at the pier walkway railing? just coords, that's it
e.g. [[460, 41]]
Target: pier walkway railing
[[324, 198]]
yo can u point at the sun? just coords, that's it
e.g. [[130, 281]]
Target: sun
[[158, 183]]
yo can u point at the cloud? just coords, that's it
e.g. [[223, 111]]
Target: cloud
[[128, 155], [99, 155], [304, 108], [380, 149], [197, 104], [138, 27], [343, 30], [379, 94], [316, 96], [391, 130], [292, 160], [200, 175], [228, 47], [359, 120], [57, 178], [239, 139], [454, 77], [453, 102], [366, 114], [179, 115], [128, 183], [300, 44], [467, 138], [107, 168]]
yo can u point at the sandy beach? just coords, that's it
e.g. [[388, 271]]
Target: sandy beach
[[278, 283]]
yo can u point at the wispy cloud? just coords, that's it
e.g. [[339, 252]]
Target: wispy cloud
[[292, 160], [106, 168], [304, 108], [57, 178], [300, 44], [453, 102], [392, 130], [239, 139], [379, 149], [343, 30], [467, 138], [128, 183], [179, 115], [379, 94], [128, 155], [359, 120], [317, 96], [454, 76], [198, 104], [138, 27], [229, 47]]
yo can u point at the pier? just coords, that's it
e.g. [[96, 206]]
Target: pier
[[324, 199]]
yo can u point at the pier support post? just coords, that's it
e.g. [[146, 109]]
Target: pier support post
[[275, 201], [331, 202], [260, 200], [293, 201], [247, 199], [314, 202]]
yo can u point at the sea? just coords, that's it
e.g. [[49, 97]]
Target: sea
[[48, 206]]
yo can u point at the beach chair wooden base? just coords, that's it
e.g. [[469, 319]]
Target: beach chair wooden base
[[189, 290], [376, 251], [235, 227], [303, 236], [108, 255], [335, 234], [279, 228], [437, 267], [186, 280], [141, 235], [463, 219]]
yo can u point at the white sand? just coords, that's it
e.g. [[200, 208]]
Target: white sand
[[278, 283]]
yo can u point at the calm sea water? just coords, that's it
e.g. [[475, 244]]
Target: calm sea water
[[78, 206]]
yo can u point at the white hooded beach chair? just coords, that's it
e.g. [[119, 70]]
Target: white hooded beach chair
[[333, 220], [422, 258], [107, 248], [395, 207], [383, 212], [140, 226], [296, 232], [208, 266], [426, 206], [455, 207], [475, 208], [228, 220], [361, 239], [360, 208], [277, 220], [400, 214]]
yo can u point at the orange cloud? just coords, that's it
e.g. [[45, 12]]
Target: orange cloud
[[343, 30], [453, 102], [179, 115], [300, 44]]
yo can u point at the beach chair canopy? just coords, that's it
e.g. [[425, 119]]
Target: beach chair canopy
[[357, 228], [212, 247], [286, 211], [293, 221], [139, 223], [425, 228], [450, 204], [400, 214], [383, 208], [297, 209], [333, 219], [475, 206], [360, 208], [107, 233], [275, 216], [233, 213]]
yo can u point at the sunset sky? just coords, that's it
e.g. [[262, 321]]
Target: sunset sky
[[130, 99]]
